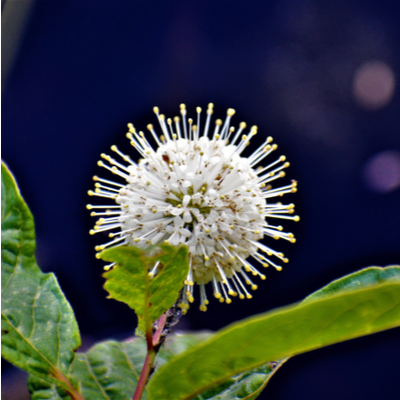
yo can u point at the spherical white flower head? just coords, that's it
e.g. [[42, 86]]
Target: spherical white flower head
[[196, 189]]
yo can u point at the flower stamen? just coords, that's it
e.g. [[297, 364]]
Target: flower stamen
[[196, 189]]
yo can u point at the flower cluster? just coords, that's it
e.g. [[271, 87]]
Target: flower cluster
[[196, 189]]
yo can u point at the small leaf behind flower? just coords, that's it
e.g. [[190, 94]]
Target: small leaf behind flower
[[359, 304], [129, 282]]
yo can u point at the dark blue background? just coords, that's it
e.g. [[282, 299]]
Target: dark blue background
[[86, 68]]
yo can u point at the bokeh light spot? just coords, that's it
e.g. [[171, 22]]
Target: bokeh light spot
[[382, 171], [373, 85]]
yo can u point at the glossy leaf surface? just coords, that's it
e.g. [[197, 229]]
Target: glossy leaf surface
[[337, 313], [39, 331], [247, 385]]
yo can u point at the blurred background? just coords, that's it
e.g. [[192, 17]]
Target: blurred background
[[321, 77]]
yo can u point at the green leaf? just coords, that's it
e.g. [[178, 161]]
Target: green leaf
[[130, 283], [247, 385], [325, 320], [39, 331], [110, 370], [367, 277], [40, 390]]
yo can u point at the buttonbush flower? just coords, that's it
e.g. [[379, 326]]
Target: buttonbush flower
[[196, 189]]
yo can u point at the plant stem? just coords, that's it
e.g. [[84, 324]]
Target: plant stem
[[152, 350], [148, 363], [158, 332]]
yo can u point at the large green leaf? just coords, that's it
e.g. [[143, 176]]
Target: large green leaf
[[324, 320], [367, 277], [247, 385], [39, 331], [250, 384], [130, 283]]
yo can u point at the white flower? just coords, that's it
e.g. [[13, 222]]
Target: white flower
[[196, 189]]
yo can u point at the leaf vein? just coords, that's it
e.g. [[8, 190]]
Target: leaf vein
[[95, 377], [129, 361]]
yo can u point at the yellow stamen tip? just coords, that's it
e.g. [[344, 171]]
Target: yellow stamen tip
[[221, 299], [249, 296], [254, 287], [92, 231], [296, 218], [241, 296], [89, 206], [136, 240], [203, 308], [156, 110], [230, 112], [228, 301], [97, 255]]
